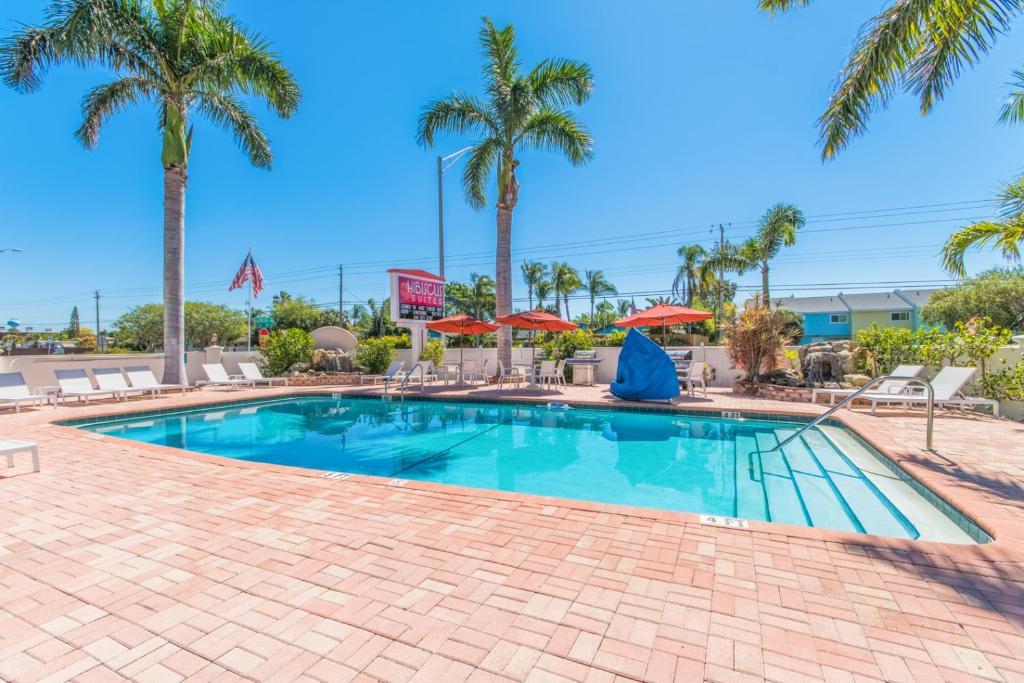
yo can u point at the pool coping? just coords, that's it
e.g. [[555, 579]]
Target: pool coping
[[924, 482]]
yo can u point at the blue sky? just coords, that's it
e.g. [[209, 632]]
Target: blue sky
[[703, 113]]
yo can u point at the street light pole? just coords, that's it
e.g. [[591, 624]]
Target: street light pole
[[443, 164]]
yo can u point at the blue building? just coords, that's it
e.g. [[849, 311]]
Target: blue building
[[825, 317]]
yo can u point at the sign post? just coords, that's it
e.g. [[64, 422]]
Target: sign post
[[417, 297]]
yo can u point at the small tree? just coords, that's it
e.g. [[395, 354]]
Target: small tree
[[997, 294], [756, 340], [433, 351], [373, 355], [285, 349], [75, 325]]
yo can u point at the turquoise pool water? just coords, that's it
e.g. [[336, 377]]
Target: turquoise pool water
[[655, 460]]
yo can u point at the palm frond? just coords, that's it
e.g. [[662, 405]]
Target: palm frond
[[501, 69], [458, 114], [883, 52], [104, 101], [559, 82], [480, 164], [229, 113], [559, 131], [776, 6], [955, 35], [1008, 238], [1013, 109]]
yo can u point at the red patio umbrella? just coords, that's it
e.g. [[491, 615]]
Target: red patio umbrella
[[461, 324], [536, 320], [663, 315]]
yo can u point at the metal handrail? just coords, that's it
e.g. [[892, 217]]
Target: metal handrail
[[910, 380]]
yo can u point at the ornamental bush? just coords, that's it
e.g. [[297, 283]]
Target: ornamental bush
[[434, 352], [285, 349], [374, 354]]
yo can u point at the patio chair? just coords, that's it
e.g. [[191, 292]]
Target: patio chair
[[546, 374], [695, 377], [946, 386], [513, 375], [388, 374], [217, 376], [251, 371], [889, 386], [111, 379], [449, 371], [14, 391], [471, 371], [141, 377], [560, 373], [426, 372], [9, 447], [75, 383]]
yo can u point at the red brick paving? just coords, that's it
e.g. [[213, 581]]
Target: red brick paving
[[122, 560]]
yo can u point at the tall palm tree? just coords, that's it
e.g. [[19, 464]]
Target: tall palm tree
[[694, 277], [521, 111], [185, 56], [543, 290], [777, 229], [566, 281], [1006, 234], [623, 307], [533, 272], [597, 285], [920, 46]]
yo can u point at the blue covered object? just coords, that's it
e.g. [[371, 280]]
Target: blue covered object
[[645, 371]]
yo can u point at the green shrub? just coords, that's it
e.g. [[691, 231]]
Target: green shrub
[[1004, 385], [398, 341], [374, 354], [564, 345], [434, 352], [887, 347], [285, 349], [616, 338]]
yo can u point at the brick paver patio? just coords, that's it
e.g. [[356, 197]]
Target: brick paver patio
[[127, 561]]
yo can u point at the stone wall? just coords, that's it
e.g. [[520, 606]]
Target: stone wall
[[323, 380], [773, 391]]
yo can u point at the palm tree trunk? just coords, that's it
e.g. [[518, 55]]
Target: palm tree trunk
[[765, 294], [503, 282], [591, 308], [567, 306], [174, 274]]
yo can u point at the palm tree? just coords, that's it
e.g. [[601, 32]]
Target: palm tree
[[520, 112], [777, 229], [694, 277], [921, 46], [1006, 234], [597, 285], [481, 295], [543, 290], [533, 272], [602, 317], [184, 56], [566, 281], [375, 321]]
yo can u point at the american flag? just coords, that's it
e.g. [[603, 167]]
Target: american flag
[[249, 270]]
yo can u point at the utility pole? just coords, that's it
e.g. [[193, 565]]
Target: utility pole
[[341, 295], [440, 218], [99, 343]]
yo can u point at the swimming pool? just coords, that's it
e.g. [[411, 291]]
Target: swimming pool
[[724, 467]]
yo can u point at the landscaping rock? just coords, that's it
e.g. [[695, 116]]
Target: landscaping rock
[[856, 380], [332, 360]]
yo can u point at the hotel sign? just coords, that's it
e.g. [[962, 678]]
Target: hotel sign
[[416, 296]]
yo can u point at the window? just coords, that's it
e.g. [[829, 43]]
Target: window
[[900, 315], [838, 318]]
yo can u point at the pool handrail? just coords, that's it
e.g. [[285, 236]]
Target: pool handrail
[[909, 380]]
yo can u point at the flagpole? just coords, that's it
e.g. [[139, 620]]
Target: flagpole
[[248, 338]]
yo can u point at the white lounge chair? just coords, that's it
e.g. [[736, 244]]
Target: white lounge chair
[[946, 386], [217, 376], [11, 446], [695, 377], [14, 391], [889, 386], [141, 377], [111, 379], [388, 376], [76, 384], [252, 371]]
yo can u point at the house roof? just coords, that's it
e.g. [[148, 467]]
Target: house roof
[[918, 297], [876, 301], [811, 304]]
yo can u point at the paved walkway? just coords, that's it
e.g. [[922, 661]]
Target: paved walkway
[[127, 561]]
